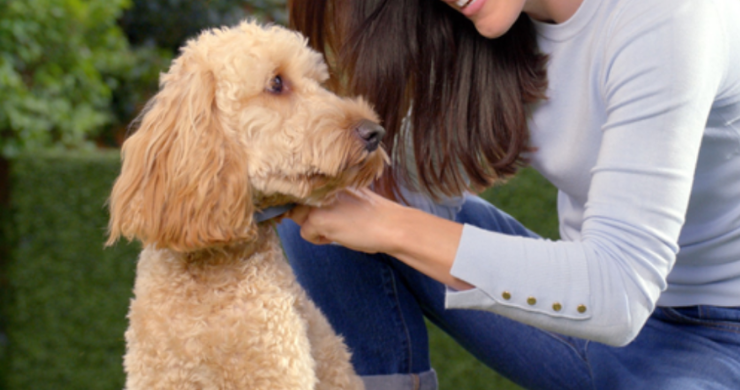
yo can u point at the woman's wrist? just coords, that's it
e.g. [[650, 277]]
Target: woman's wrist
[[425, 242], [389, 226]]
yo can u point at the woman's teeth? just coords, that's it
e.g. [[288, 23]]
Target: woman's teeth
[[463, 3]]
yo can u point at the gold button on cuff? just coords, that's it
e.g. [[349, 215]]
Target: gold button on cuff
[[506, 295], [557, 307], [531, 301], [581, 309]]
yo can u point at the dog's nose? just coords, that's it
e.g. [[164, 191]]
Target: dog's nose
[[370, 133]]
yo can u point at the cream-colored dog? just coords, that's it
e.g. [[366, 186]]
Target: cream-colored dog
[[241, 123]]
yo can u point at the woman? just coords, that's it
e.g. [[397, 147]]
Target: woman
[[638, 125]]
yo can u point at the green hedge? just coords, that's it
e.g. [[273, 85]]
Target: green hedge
[[64, 311], [65, 297]]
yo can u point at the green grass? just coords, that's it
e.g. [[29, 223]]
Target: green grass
[[529, 198], [457, 369]]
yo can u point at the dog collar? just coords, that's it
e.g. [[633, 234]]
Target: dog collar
[[272, 212]]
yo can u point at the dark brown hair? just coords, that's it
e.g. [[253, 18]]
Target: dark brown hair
[[467, 95]]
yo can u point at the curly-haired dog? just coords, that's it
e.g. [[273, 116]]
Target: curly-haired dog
[[241, 123]]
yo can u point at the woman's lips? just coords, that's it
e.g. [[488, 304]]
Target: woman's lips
[[468, 7]]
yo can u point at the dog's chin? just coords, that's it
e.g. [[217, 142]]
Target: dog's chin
[[324, 188], [318, 188], [356, 176]]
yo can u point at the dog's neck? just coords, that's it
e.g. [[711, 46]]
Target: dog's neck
[[265, 220], [237, 251], [271, 206]]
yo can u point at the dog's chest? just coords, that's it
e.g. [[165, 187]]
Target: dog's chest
[[224, 321], [218, 295]]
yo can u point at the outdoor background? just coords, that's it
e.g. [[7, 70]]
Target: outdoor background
[[73, 74]]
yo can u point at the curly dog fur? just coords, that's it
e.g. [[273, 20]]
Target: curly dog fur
[[241, 123]]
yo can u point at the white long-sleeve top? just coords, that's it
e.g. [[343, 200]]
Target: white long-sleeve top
[[641, 135]]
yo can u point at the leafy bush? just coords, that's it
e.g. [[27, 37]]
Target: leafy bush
[[168, 23], [68, 75], [53, 55], [156, 29], [134, 82]]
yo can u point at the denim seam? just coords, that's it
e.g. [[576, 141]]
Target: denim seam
[[588, 364], [392, 291], [716, 325], [582, 355], [570, 345]]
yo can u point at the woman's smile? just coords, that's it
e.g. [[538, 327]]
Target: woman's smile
[[469, 7]]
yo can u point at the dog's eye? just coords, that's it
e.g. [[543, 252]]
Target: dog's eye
[[276, 85]]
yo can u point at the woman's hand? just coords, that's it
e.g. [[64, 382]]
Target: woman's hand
[[360, 220], [364, 221]]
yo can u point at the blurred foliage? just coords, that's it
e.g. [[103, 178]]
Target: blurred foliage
[[53, 55], [168, 23], [74, 71], [135, 82], [66, 296], [156, 29]]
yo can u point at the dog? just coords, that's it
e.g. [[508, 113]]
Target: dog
[[241, 124]]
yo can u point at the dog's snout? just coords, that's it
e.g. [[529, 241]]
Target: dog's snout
[[370, 133]]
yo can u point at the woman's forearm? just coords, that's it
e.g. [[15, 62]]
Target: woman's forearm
[[427, 243]]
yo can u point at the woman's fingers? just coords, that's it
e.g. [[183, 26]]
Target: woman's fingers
[[349, 221], [309, 231], [310, 234], [299, 214]]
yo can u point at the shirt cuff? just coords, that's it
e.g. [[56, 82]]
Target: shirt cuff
[[522, 273]]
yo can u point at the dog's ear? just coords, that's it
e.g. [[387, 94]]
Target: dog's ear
[[183, 184]]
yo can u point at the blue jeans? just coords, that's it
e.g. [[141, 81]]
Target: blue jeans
[[378, 304]]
